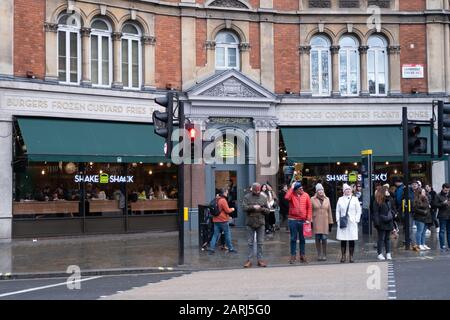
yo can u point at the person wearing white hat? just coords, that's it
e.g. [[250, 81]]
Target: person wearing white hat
[[322, 218], [348, 208]]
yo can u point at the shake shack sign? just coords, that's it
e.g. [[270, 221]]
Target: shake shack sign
[[377, 177], [103, 178]]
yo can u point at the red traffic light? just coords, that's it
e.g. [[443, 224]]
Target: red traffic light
[[192, 133]]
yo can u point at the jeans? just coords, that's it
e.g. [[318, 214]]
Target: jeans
[[384, 241], [420, 233], [218, 228], [296, 229], [259, 241], [444, 225]]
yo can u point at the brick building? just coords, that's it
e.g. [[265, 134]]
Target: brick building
[[328, 74]]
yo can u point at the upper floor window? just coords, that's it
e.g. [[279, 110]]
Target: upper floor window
[[377, 66], [349, 66], [69, 51], [131, 57], [101, 53], [320, 66], [227, 51]]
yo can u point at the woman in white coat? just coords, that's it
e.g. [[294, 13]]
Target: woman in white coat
[[350, 233]]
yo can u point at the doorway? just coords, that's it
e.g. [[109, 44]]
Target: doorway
[[233, 177]]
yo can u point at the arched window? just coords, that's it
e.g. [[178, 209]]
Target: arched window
[[101, 53], [227, 51], [131, 57], [320, 66], [377, 66], [349, 66], [69, 49]]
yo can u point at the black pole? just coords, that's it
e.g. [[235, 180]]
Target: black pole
[[406, 206], [181, 191]]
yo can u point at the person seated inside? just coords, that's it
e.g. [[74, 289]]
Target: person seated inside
[[101, 195]]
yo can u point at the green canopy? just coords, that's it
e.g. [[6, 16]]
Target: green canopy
[[344, 144], [86, 140]]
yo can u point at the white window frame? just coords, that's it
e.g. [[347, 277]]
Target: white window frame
[[348, 51], [320, 50], [68, 30], [102, 34], [130, 38], [226, 47], [378, 51]]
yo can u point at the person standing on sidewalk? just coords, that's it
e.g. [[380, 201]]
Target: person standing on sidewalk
[[348, 205], [300, 213], [431, 194], [383, 216], [422, 217], [322, 218], [442, 203], [284, 207], [255, 206], [221, 222]]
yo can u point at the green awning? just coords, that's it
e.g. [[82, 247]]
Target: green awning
[[85, 140], [344, 144]]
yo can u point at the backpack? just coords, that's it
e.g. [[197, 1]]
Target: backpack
[[214, 208]]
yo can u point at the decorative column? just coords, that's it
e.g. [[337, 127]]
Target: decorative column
[[51, 54], [363, 70], [305, 70], [6, 183], [86, 59], [244, 49], [394, 70], [335, 70], [117, 69], [210, 46], [149, 62]]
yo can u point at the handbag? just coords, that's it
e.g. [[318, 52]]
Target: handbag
[[307, 230], [343, 221]]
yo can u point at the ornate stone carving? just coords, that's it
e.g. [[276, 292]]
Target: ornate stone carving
[[244, 46], [363, 49], [304, 49], [210, 45], [394, 50], [148, 40], [50, 27], [116, 36], [228, 4], [348, 3], [380, 3], [231, 87], [319, 3], [85, 32], [335, 49]]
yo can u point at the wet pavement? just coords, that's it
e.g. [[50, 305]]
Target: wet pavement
[[145, 251]]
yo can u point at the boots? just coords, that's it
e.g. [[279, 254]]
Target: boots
[[319, 250], [352, 250], [324, 250], [292, 260], [343, 252]]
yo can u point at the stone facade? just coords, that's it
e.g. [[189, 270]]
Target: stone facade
[[177, 41]]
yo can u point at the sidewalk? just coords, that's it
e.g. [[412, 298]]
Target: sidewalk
[[155, 252]]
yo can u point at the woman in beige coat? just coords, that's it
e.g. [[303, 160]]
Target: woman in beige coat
[[322, 219]]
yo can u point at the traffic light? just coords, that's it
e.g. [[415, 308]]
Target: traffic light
[[416, 144], [443, 128], [191, 130], [163, 121]]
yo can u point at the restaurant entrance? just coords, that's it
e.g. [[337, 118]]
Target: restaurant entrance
[[235, 178]]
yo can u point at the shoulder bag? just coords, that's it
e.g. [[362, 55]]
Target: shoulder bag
[[343, 221]]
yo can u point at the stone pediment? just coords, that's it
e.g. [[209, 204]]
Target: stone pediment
[[230, 84], [237, 4]]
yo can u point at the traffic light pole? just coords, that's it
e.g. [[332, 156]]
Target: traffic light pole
[[405, 203], [181, 192]]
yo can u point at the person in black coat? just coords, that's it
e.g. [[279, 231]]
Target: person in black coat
[[284, 206], [383, 216]]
